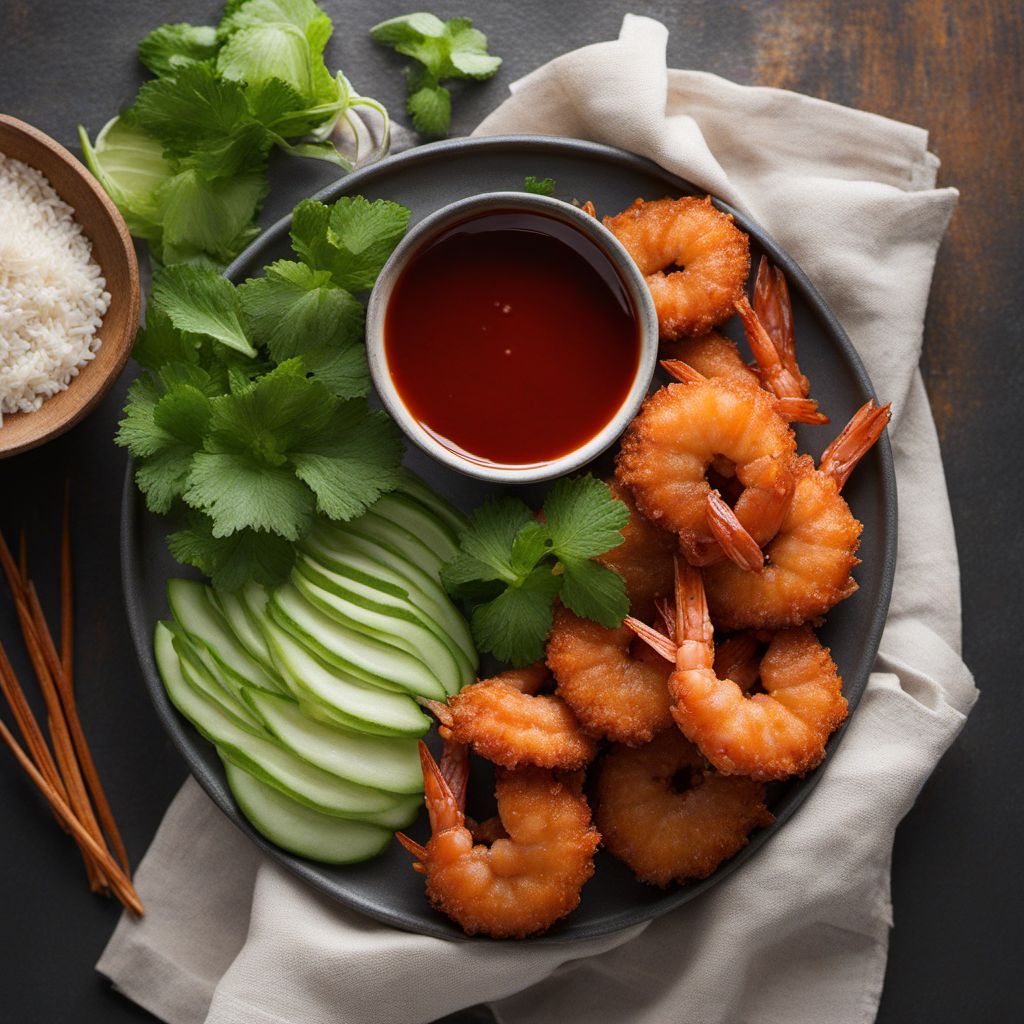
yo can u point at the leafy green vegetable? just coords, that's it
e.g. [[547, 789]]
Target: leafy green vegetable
[[251, 415], [539, 186], [187, 163], [511, 567], [444, 50]]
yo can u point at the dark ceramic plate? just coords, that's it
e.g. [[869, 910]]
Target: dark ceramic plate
[[425, 179]]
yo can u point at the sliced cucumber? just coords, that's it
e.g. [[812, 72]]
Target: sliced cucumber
[[390, 763], [412, 516], [194, 610], [199, 675], [402, 815], [237, 617], [414, 487], [387, 569], [300, 830], [394, 539], [265, 758], [352, 702], [364, 656], [392, 623]]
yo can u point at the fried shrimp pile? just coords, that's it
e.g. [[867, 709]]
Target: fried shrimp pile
[[504, 720], [663, 811], [712, 256], [523, 882]]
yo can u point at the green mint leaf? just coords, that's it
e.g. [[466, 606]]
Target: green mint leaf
[[233, 561], [430, 107], [583, 518], [364, 235], [539, 186], [515, 625], [351, 462], [297, 311], [594, 591], [468, 54], [202, 302], [170, 47]]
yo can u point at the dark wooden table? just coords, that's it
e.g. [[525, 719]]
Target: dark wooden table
[[954, 67]]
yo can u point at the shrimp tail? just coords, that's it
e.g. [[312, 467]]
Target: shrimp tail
[[418, 851], [443, 805], [693, 622], [683, 372], [775, 311], [801, 410], [440, 711], [731, 535], [667, 614], [779, 379], [854, 441], [650, 636]]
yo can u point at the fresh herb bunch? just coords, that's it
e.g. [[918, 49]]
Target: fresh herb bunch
[[512, 566], [253, 414], [443, 50], [186, 164]]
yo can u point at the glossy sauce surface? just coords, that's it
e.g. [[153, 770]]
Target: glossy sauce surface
[[511, 338]]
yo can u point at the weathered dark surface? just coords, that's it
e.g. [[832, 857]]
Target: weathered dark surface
[[954, 67]]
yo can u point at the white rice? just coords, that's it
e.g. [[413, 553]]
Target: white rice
[[52, 293]]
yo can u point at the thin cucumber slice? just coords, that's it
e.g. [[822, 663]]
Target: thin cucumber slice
[[300, 830], [412, 516], [198, 674], [376, 564], [415, 487], [394, 626], [194, 610], [389, 763], [393, 537], [354, 703], [265, 758], [238, 619], [364, 656], [402, 815]]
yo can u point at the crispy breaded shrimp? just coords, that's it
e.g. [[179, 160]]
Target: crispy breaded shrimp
[[711, 355], [769, 735], [666, 831], [519, 885], [810, 559], [643, 559], [679, 433], [691, 234], [506, 722], [614, 687]]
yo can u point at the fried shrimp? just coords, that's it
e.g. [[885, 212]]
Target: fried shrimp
[[684, 429], [643, 559], [519, 885], [665, 813], [712, 254], [769, 735], [505, 721], [711, 355], [810, 559], [615, 687]]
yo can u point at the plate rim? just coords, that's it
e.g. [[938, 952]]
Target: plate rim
[[183, 735]]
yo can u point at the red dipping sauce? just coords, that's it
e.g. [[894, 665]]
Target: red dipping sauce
[[511, 338]]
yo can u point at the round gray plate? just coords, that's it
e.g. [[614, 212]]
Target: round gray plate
[[425, 179]]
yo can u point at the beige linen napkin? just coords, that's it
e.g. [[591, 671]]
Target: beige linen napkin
[[800, 932]]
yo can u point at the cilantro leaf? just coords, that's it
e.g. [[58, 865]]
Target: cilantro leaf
[[583, 517], [351, 239], [351, 462], [515, 624], [170, 47], [539, 186], [593, 591], [297, 311], [200, 301], [233, 561], [444, 50], [160, 342], [486, 545]]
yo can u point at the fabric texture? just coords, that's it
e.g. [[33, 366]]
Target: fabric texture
[[801, 932]]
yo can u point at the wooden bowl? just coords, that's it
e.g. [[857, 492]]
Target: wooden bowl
[[113, 249]]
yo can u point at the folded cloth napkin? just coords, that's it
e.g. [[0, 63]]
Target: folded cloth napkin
[[801, 932]]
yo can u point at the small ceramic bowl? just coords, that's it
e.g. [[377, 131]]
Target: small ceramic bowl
[[113, 250], [632, 281]]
